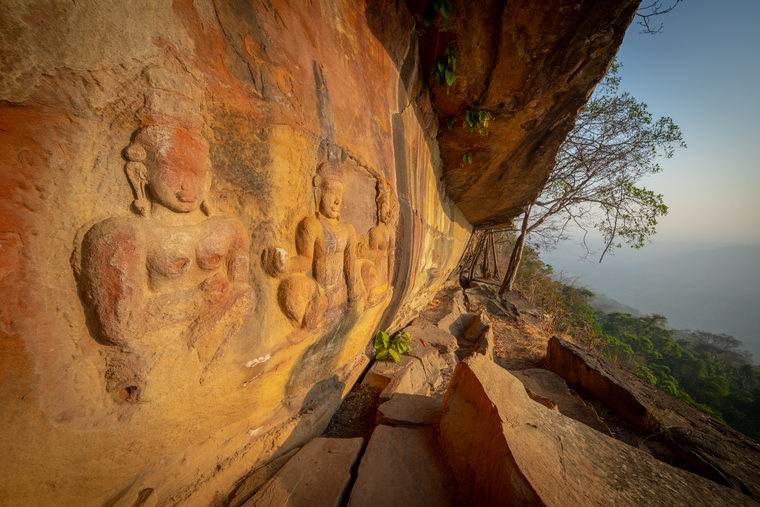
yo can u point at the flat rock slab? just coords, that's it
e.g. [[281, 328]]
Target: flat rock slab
[[716, 451], [431, 336], [320, 474], [399, 469], [550, 386], [256, 479], [410, 409], [506, 449]]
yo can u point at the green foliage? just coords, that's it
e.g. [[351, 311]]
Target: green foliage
[[434, 7], [445, 68], [391, 348], [654, 418], [705, 370], [477, 120], [467, 158]]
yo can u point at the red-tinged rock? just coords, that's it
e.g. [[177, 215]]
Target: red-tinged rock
[[714, 450], [505, 449], [531, 65]]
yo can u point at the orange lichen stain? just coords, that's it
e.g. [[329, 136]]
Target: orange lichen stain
[[210, 45], [16, 374]]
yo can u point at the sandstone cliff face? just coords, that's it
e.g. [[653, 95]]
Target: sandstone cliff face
[[207, 209], [531, 65]]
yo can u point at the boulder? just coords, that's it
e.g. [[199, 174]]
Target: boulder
[[399, 468], [505, 449], [410, 409], [545, 385], [320, 474], [716, 451]]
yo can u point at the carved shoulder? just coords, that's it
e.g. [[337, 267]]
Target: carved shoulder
[[113, 268]]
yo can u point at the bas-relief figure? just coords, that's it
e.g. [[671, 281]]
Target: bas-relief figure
[[174, 276], [320, 281], [377, 248]]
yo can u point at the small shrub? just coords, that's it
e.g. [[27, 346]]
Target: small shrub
[[387, 347]]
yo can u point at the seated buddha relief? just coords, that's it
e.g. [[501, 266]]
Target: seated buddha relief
[[319, 282]]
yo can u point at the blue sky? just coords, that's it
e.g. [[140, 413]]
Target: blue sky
[[703, 71]]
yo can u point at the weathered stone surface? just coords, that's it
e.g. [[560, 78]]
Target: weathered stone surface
[[398, 469], [410, 409], [531, 64], [485, 298], [507, 450], [715, 451], [431, 360], [320, 474], [446, 311], [164, 339], [256, 479], [411, 378], [478, 338], [550, 386], [431, 336]]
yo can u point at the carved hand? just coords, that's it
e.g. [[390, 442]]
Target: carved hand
[[215, 287]]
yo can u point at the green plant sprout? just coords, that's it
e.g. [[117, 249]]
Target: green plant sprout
[[477, 120], [386, 347], [444, 67], [435, 6], [467, 158]]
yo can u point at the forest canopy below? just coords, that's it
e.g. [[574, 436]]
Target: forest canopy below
[[706, 370]]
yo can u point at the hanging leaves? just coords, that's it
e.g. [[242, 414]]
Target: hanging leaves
[[434, 7]]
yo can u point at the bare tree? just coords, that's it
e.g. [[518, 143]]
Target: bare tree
[[652, 10], [593, 185]]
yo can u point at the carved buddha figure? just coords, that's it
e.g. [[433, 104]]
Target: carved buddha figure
[[377, 248], [172, 264], [320, 278]]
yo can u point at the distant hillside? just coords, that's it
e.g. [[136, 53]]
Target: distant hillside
[[715, 290], [608, 305]]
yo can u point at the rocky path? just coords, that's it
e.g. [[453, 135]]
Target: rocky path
[[434, 429]]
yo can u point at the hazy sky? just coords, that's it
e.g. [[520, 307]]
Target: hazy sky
[[703, 71]]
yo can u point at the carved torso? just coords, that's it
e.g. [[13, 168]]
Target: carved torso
[[182, 257]]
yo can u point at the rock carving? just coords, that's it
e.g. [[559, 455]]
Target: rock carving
[[173, 275], [377, 247], [320, 279]]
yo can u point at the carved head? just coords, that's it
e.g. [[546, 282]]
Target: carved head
[[168, 166], [386, 204], [328, 190]]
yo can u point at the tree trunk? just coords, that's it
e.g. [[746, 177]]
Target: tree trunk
[[485, 267], [516, 257]]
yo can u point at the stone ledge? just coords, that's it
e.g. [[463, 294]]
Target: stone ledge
[[506, 449]]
